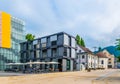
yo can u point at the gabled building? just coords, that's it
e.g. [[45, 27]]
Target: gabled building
[[102, 60], [86, 59], [111, 59]]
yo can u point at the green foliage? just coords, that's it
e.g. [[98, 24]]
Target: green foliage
[[118, 59], [99, 49], [118, 44], [80, 41], [30, 37]]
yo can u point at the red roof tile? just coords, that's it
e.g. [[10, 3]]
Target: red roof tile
[[86, 49], [101, 54]]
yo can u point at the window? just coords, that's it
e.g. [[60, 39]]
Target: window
[[35, 42], [43, 45], [35, 55], [109, 63], [60, 40], [49, 52], [53, 38], [102, 62], [54, 52], [83, 63], [43, 40], [34, 46], [60, 51], [83, 56], [79, 51], [65, 51], [44, 53], [37, 46], [54, 43], [24, 46]]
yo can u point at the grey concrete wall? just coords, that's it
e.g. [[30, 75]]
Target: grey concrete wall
[[71, 65], [64, 65]]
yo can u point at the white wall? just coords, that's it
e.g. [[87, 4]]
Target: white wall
[[105, 65]]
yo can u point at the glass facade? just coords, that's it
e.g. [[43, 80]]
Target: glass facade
[[9, 55]]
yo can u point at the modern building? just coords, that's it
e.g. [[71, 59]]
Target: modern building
[[59, 47], [86, 59], [12, 32]]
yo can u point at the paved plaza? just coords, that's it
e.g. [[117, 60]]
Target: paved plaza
[[110, 76]]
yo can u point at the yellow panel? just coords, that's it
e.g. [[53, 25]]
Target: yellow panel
[[6, 30]]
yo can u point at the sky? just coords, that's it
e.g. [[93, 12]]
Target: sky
[[96, 21]]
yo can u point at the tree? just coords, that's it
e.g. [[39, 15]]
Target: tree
[[118, 48], [80, 41], [118, 44], [118, 59], [30, 37], [99, 48]]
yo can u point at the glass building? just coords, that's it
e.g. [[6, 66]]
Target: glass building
[[12, 32]]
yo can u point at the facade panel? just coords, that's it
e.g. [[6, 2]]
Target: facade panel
[[6, 30], [0, 29]]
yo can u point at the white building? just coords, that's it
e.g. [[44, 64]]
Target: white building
[[111, 59], [102, 60], [86, 59]]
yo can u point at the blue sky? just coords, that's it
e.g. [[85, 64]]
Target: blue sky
[[97, 21]]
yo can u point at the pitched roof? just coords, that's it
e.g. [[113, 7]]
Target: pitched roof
[[101, 55], [86, 49]]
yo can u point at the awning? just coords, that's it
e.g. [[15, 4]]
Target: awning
[[32, 63], [35, 63], [15, 64], [52, 63]]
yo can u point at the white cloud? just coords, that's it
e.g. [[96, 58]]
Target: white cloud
[[94, 20]]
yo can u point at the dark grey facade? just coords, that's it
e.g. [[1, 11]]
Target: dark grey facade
[[59, 47]]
